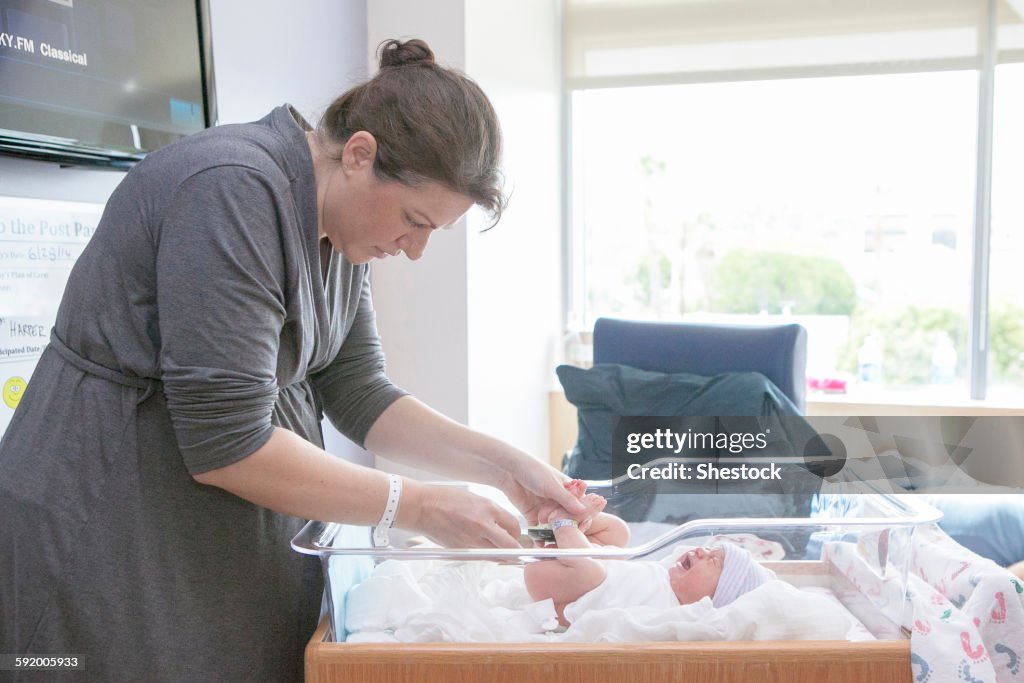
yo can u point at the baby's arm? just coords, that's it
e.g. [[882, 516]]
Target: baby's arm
[[564, 579], [599, 527], [608, 529]]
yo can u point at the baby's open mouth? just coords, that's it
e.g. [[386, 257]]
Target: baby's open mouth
[[684, 562]]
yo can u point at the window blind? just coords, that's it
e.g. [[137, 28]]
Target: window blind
[[617, 41]]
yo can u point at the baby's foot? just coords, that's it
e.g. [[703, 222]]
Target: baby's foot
[[576, 487], [594, 503]]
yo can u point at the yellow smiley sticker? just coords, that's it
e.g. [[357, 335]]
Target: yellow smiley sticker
[[13, 389]]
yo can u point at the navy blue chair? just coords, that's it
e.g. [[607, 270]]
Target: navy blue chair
[[779, 352]]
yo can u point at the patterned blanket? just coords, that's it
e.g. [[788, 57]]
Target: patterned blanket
[[964, 613]]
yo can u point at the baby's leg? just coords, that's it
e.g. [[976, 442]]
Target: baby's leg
[[564, 579]]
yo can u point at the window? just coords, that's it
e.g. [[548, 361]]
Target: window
[[1006, 281], [787, 185]]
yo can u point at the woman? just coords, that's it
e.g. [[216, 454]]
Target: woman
[[168, 446]]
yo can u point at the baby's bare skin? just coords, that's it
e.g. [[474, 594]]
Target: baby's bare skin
[[565, 580], [599, 527]]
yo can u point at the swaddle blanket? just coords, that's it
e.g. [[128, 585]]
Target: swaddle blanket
[[431, 601], [965, 613]]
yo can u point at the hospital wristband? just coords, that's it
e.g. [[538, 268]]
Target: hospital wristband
[[559, 523], [387, 520]]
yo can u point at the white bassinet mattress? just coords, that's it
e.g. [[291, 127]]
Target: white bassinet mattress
[[437, 601]]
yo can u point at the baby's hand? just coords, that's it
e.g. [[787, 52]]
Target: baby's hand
[[544, 512], [594, 504]]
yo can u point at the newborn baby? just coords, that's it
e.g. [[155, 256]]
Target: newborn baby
[[577, 584]]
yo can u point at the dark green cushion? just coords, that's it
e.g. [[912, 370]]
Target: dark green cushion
[[606, 392]]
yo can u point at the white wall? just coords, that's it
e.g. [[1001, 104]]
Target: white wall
[[514, 290], [266, 52], [421, 306], [470, 328], [46, 180]]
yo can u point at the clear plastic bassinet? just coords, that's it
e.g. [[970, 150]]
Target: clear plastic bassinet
[[875, 530]]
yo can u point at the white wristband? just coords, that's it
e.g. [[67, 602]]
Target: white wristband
[[387, 520], [559, 523]]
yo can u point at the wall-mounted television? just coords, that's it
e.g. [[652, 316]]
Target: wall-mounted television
[[103, 82]]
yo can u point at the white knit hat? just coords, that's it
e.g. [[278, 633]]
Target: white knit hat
[[740, 573]]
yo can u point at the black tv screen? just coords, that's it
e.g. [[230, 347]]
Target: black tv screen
[[102, 82]]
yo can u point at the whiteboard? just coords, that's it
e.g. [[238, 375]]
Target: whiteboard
[[40, 240]]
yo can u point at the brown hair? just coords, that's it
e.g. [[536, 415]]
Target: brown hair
[[431, 123]]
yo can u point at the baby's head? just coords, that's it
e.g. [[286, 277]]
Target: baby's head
[[722, 573]]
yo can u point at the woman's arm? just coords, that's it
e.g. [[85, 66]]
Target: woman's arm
[[290, 475], [410, 432]]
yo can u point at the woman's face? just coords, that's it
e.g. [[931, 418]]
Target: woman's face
[[365, 218], [695, 574]]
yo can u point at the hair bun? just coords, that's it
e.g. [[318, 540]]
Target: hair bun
[[396, 53]]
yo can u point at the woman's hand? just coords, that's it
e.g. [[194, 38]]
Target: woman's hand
[[455, 518], [536, 489], [411, 433]]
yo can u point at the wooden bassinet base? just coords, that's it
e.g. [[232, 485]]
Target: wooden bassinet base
[[879, 661]]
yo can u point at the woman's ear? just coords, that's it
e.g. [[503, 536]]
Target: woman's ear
[[359, 152]]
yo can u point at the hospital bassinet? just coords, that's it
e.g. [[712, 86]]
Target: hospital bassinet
[[880, 526]]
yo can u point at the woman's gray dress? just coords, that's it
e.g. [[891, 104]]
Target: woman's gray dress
[[196, 321]]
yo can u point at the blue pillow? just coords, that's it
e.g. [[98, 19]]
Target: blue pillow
[[990, 525]]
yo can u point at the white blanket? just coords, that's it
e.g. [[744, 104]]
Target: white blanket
[[431, 601]]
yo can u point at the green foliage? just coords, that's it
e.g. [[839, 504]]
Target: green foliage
[[908, 339], [754, 281], [1006, 327], [651, 166], [909, 335], [646, 285]]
